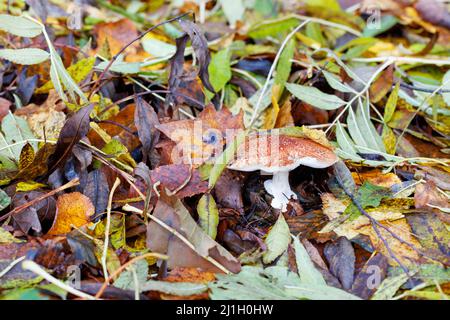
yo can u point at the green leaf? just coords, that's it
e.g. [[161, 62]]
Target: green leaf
[[175, 288], [387, 21], [344, 141], [120, 66], [316, 292], [138, 271], [273, 283], [368, 195], [284, 65], [16, 131], [27, 56], [158, 48], [60, 78], [391, 103], [277, 240], [332, 5], [272, 28], [335, 82], [446, 86], [389, 139], [233, 10], [19, 26], [208, 214], [314, 32], [306, 269], [5, 200], [315, 97], [367, 129], [219, 69], [222, 160]]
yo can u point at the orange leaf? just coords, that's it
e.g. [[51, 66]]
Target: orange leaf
[[71, 209]]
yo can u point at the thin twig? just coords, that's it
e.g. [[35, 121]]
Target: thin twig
[[127, 207], [70, 184], [34, 267], [114, 58], [126, 265], [107, 227], [255, 114]]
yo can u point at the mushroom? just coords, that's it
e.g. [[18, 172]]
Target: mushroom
[[277, 154]]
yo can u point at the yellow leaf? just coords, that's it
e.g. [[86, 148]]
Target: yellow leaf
[[71, 209], [28, 186], [405, 254], [272, 113], [26, 156], [78, 71], [285, 118]]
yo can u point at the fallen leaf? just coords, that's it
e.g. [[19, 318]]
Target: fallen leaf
[[74, 129], [71, 209], [277, 240], [174, 214], [117, 34], [404, 253], [341, 259]]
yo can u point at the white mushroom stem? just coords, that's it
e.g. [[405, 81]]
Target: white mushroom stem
[[278, 187]]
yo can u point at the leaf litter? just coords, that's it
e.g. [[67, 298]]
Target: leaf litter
[[150, 96]]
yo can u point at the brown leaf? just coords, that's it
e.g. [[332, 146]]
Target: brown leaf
[[71, 209], [46, 120], [174, 176], [38, 166], [97, 189], [371, 275], [427, 194], [117, 34], [75, 128], [4, 107], [341, 258], [382, 85], [34, 217], [228, 190], [177, 72], [115, 128], [202, 138], [145, 120], [173, 213], [200, 46]]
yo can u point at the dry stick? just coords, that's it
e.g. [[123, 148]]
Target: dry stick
[[129, 208], [126, 265], [18, 209], [34, 267], [256, 114], [107, 227], [114, 58]]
